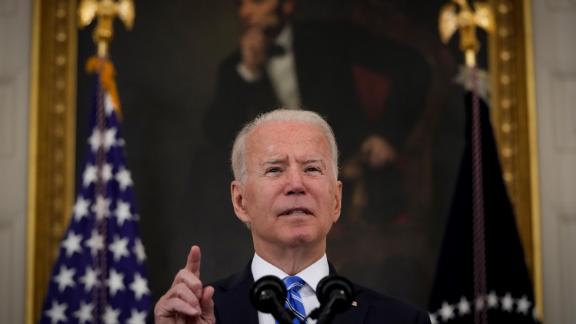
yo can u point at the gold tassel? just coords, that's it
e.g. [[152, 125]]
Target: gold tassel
[[107, 77]]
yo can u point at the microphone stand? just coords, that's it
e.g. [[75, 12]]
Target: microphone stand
[[268, 295], [335, 295]]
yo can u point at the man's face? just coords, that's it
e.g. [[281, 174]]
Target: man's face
[[264, 14], [289, 195]]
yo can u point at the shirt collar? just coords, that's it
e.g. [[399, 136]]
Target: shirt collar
[[284, 39], [311, 275]]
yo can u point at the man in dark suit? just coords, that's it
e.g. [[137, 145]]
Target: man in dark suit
[[370, 89], [322, 64], [286, 191]]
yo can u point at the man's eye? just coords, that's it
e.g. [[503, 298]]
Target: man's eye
[[312, 169], [273, 170]]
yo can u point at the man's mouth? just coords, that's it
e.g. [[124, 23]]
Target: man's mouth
[[296, 211]]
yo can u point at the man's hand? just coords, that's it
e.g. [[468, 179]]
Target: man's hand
[[187, 301], [377, 151], [253, 50]]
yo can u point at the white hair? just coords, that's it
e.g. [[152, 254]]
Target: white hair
[[238, 157]]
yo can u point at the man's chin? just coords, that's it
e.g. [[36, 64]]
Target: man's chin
[[300, 239]]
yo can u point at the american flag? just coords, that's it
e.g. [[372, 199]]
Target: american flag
[[100, 274]]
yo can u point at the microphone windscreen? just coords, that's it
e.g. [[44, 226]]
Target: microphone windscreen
[[266, 292], [338, 289]]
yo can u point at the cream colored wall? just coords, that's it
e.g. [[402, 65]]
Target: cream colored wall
[[15, 44], [554, 26]]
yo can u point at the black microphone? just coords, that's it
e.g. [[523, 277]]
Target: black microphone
[[335, 294], [268, 295]]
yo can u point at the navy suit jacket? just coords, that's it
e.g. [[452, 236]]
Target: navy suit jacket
[[232, 305]]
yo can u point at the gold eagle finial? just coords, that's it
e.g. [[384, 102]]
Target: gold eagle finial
[[467, 20], [105, 11]]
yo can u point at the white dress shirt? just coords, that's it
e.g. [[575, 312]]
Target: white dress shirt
[[282, 72], [311, 276]]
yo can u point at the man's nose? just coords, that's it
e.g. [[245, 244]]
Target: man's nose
[[295, 183]]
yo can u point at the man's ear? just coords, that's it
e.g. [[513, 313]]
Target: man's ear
[[337, 201], [238, 201]]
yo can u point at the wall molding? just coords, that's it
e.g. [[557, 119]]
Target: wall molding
[[51, 142]]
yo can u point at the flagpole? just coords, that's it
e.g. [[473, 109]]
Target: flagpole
[[100, 191], [104, 12], [459, 16]]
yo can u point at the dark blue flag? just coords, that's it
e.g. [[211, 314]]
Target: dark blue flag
[[100, 274], [481, 275]]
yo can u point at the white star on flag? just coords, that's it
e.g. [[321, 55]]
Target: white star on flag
[[463, 306], [446, 312], [95, 140], [109, 138], [106, 172], [101, 207], [90, 175], [137, 317], [119, 248], [57, 312], [124, 179], [89, 279], [65, 278], [115, 282], [108, 105], [81, 208], [523, 305], [72, 244], [122, 212], [111, 315], [84, 313], [95, 243], [139, 286], [139, 251], [492, 300], [507, 303], [98, 140]]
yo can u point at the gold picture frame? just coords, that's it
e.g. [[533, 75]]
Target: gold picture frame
[[53, 133]]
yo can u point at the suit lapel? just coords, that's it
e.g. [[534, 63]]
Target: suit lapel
[[234, 300], [356, 313]]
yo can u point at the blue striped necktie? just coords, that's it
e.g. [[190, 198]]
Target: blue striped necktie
[[293, 298]]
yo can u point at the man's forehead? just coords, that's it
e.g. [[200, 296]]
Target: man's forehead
[[272, 138], [274, 158], [286, 132]]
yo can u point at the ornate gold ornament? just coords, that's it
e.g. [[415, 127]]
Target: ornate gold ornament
[[459, 16], [104, 11]]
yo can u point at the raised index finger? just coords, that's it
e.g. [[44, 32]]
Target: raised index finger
[[193, 261]]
